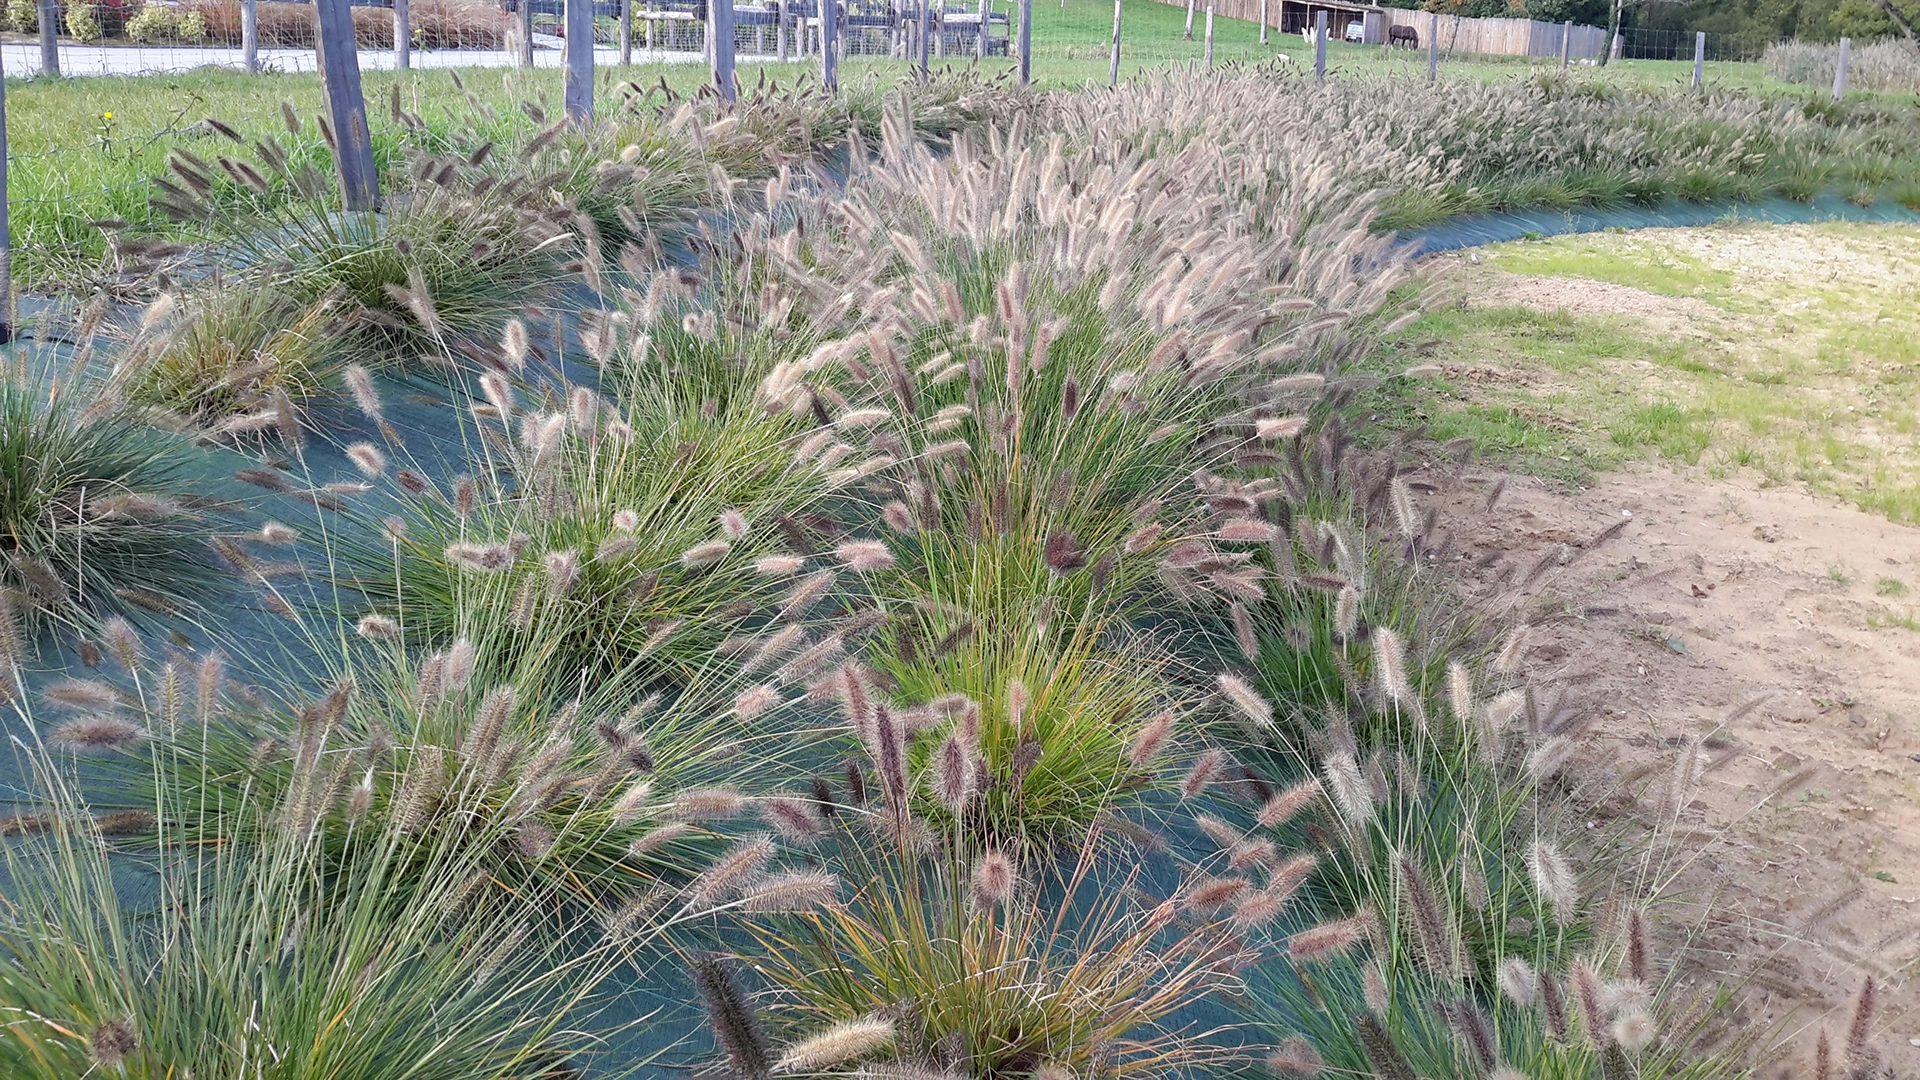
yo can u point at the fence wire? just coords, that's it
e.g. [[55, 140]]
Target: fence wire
[[83, 159]]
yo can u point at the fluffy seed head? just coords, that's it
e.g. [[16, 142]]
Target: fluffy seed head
[[1202, 774], [861, 556], [993, 879], [705, 554], [1285, 805], [792, 891], [1296, 1057], [1554, 878], [1327, 940], [1148, 743], [778, 565], [1634, 1029], [1518, 981], [838, 1045], [112, 1043], [731, 871], [97, 734], [1247, 700], [368, 459], [707, 804]]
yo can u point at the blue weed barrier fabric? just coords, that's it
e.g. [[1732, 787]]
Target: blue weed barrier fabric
[[1474, 230]]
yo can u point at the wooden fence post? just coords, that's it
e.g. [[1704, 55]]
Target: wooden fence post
[[1189, 36], [986, 20], [1699, 58], [829, 53], [1433, 50], [1026, 42], [1209, 37], [339, 62], [780, 30], [1566, 44], [402, 36], [250, 36], [626, 31], [578, 96], [1840, 69], [49, 37], [1113, 64], [1263, 22], [524, 57], [720, 13], [924, 42], [6, 238], [1320, 44]]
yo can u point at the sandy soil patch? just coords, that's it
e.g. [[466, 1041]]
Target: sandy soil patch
[[1719, 615]]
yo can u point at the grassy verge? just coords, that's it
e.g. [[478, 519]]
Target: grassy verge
[[1784, 352], [86, 149]]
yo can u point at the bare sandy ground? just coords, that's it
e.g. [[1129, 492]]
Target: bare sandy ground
[[1759, 624]]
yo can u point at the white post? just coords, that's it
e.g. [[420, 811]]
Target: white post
[[577, 95], [1209, 37], [720, 18], [1566, 44], [829, 53], [1699, 58], [1433, 49], [1113, 65], [402, 36], [1263, 22], [625, 8], [1189, 36], [49, 38], [1026, 42], [250, 36], [1840, 70], [1320, 44]]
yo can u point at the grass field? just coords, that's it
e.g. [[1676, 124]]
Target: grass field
[[1785, 352]]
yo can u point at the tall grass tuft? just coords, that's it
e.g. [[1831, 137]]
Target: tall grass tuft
[[97, 508]]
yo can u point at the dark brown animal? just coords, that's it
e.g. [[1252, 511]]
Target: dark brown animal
[[1403, 34]]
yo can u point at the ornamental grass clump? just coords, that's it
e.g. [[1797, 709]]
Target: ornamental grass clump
[[98, 513], [377, 955], [605, 795], [432, 268], [1050, 724], [594, 537], [231, 351], [948, 954]]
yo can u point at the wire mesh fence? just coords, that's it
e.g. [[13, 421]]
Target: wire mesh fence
[[83, 158]]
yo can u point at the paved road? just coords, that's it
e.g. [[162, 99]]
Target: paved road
[[23, 60]]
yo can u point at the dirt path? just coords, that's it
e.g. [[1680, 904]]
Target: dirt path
[[1751, 607], [1749, 619]]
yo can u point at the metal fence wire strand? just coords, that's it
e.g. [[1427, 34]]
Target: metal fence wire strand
[[76, 171]]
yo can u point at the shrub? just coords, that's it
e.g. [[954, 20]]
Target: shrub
[[1056, 724], [155, 23], [22, 16], [82, 23], [95, 507], [437, 24]]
